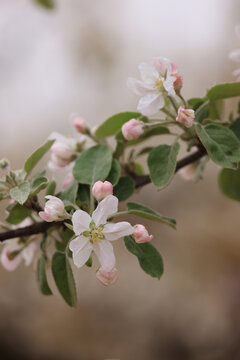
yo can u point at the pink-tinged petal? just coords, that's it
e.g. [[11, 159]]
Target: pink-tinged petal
[[150, 104], [29, 252], [105, 254], [148, 73], [106, 207], [168, 85], [81, 249], [107, 277], [57, 136], [8, 264], [138, 87], [81, 221], [235, 55], [118, 230], [162, 65], [45, 216]]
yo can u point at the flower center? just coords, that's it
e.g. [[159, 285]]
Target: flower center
[[158, 84], [95, 234]]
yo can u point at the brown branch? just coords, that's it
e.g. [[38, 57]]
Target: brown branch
[[140, 180], [36, 228]]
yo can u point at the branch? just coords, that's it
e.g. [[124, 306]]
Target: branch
[[36, 228], [141, 180]]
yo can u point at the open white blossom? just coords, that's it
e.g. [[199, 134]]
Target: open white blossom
[[157, 80], [94, 234]]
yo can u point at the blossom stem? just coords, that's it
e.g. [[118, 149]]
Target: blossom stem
[[173, 103]]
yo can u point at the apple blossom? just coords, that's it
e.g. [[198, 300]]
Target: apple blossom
[[94, 234], [79, 123], [132, 129], [141, 234], [12, 255], [53, 209], [107, 277], [157, 82], [185, 116], [62, 151], [102, 189]]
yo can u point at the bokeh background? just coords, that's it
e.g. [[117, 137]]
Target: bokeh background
[[76, 58]]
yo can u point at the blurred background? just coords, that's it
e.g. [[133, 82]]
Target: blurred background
[[76, 58]]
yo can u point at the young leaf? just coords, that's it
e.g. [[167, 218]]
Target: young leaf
[[124, 188], [162, 163], [149, 258], [51, 188], [64, 279], [93, 164], [21, 192], [224, 91], [42, 277], [37, 155], [222, 145], [113, 125], [17, 214], [229, 183], [145, 212], [38, 185], [115, 172]]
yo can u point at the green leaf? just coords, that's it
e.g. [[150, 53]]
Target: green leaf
[[124, 188], [145, 151], [147, 213], [21, 192], [17, 214], [229, 183], [63, 277], [42, 277], [222, 145], [195, 103], [235, 127], [48, 4], [37, 155], [115, 172], [162, 163], [93, 164], [70, 193], [38, 185], [83, 194], [149, 258], [224, 91], [113, 125], [51, 188]]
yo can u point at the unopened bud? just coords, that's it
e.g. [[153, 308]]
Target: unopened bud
[[132, 129], [185, 116], [107, 277], [102, 189], [79, 123], [141, 234], [53, 210]]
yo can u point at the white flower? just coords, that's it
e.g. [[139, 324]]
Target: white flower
[[157, 81], [53, 210], [107, 277], [11, 261], [94, 234]]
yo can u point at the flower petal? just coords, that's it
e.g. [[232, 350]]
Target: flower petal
[[150, 104], [81, 221], [235, 55], [10, 265], [168, 85], [105, 254], [29, 252], [81, 249], [138, 87], [116, 231], [106, 207], [148, 73]]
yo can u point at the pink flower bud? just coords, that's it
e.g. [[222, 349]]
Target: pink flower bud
[[62, 151], [69, 180], [107, 277], [178, 83], [141, 235], [79, 123], [53, 210], [132, 129], [102, 189], [185, 116]]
